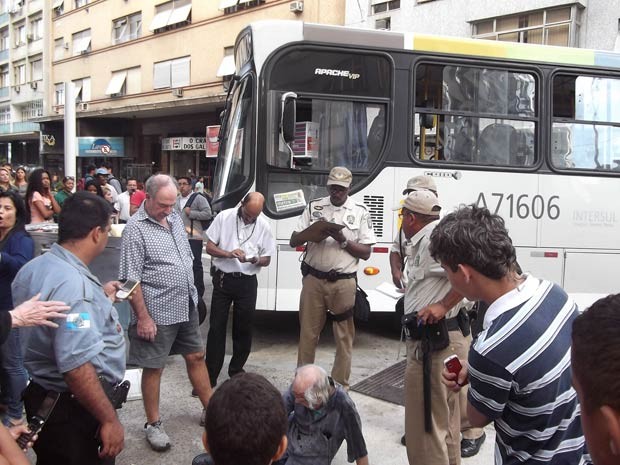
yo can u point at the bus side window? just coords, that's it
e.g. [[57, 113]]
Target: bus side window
[[498, 145]]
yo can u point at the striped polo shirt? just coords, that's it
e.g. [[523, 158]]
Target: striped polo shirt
[[520, 376]]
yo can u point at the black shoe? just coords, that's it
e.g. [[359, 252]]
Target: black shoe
[[203, 459], [470, 447], [403, 441]]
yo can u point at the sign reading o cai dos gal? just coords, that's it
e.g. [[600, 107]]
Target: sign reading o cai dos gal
[[184, 143], [101, 146]]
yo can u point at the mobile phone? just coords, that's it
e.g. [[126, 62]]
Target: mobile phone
[[453, 365], [128, 287]]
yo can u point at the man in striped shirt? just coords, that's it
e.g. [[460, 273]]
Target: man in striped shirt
[[519, 366]]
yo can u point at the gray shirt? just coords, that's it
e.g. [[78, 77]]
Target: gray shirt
[[91, 333], [200, 210], [161, 259], [314, 436]]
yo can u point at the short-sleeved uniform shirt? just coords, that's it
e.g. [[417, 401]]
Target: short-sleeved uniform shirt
[[229, 232], [161, 259], [520, 376], [426, 280], [327, 255], [314, 437], [91, 333]]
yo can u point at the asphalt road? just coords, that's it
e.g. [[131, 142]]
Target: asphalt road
[[274, 355]]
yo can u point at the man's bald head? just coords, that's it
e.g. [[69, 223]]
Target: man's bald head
[[252, 206], [311, 386]]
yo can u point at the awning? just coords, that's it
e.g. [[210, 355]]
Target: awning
[[227, 3], [161, 19], [77, 88], [227, 66], [80, 44], [116, 83], [57, 4], [179, 14]]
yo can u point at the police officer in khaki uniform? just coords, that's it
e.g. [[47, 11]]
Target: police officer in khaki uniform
[[329, 270], [428, 286]]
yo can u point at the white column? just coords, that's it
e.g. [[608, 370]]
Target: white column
[[70, 134]]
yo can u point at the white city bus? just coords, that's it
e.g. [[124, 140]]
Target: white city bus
[[531, 132]]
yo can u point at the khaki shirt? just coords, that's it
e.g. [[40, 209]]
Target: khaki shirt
[[327, 255], [427, 281]]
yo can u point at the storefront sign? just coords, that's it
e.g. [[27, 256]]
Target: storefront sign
[[101, 146], [183, 143]]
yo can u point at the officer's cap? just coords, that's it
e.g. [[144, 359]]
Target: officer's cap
[[339, 176]]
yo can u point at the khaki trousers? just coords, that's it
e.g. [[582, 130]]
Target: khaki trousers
[[461, 347], [442, 446], [318, 296]]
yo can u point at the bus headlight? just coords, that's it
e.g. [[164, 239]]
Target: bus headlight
[[371, 270]]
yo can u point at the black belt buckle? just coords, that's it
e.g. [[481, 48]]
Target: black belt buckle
[[332, 276]]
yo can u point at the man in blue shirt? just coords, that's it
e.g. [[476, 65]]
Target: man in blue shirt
[[86, 352], [518, 368]]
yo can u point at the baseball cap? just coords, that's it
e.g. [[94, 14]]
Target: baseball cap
[[102, 171], [423, 202], [420, 183], [340, 176]]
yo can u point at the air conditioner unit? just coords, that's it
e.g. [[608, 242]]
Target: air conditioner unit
[[84, 52], [16, 89], [82, 106], [296, 7], [118, 94], [33, 85], [29, 37], [177, 92], [66, 46]]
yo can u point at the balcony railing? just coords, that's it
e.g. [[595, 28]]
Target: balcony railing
[[22, 126]]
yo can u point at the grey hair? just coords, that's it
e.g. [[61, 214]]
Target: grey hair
[[157, 181], [317, 394]]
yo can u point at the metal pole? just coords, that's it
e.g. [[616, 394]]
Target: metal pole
[[70, 134]]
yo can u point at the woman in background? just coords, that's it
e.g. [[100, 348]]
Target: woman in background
[[94, 187], [39, 199], [21, 181], [5, 180], [16, 248], [68, 182]]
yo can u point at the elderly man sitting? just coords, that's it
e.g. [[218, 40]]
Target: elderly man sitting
[[321, 416]]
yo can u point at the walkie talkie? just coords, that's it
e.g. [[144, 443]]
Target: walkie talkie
[[37, 421]]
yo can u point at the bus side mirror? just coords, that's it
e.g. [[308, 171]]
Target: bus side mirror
[[288, 116]]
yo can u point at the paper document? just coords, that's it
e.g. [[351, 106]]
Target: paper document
[[390, 290], [318, 231]]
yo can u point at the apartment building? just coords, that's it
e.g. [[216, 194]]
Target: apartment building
[[22, 71], [593, 24], [148, 76]]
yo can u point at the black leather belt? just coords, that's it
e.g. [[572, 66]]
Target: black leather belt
[[331, 275], [234, 274]]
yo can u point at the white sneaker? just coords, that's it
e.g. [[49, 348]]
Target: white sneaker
[[156, 436]]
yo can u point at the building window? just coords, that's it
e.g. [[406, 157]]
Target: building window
[[172, 73], [232, 6], [59, 7], [4, 76], [32, 109], [383, 23], [59, 94], [36, 69], [126, 28], [4, 39], [59, 48], [19, 73], [5, 115], [20, 34], [171, 15], [558, 26], [124, 82], [82, 90], [81, 42], [36, 28], [80, 3], [381, 6]]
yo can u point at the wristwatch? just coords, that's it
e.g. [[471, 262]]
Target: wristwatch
[[343, 245]]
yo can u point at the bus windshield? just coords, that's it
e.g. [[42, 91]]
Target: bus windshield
[[233, 167]]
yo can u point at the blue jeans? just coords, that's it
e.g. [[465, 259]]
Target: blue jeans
[[14, 377]]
